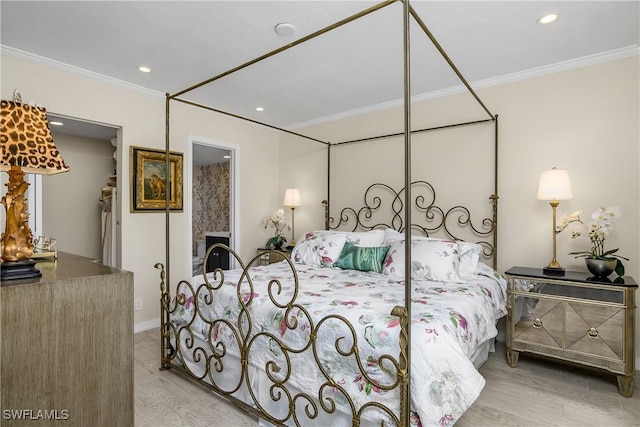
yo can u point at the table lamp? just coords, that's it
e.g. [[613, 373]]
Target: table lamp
[[554, 185], [27, 147], [292, 200]]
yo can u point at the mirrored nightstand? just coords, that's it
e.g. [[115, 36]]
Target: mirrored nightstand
[[269, 256], [574, 317]]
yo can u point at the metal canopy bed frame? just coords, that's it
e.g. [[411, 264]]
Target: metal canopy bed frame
[[399, 198]]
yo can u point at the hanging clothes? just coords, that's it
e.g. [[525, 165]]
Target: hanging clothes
[[107, 200]]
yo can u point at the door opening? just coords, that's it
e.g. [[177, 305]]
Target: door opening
[[90, 149], [212, 209]]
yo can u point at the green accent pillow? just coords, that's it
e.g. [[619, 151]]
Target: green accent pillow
[[362, 258]]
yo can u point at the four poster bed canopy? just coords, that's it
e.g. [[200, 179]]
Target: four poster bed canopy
[[374, 325]]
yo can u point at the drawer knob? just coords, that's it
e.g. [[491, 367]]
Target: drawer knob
[[537, 323], [593, 333]]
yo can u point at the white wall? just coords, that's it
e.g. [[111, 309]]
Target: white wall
[[71, 200], [584, 120]]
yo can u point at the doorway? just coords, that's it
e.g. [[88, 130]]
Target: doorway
[[211, 194], [67, 207]]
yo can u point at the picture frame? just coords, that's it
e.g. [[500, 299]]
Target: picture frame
[[148, 180]]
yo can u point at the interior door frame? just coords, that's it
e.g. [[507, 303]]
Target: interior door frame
[[234, 193]]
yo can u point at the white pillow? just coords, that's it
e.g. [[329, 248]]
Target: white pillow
[[469, 252], [390, 234], [469, 257], [372, 238], [319, 248], [430, 259], [303, 252]]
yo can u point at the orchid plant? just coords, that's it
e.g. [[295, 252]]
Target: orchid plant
[[276, 221], [565, 220], [597, 231]]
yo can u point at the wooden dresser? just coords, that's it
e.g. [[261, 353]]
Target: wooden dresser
[[66, 351]]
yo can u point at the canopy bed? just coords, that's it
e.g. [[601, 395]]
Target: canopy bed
[[325, 337]]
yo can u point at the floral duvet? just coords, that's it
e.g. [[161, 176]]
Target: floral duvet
[[450, 320]]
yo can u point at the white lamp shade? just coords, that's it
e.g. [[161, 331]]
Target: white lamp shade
[[554, 185], [292, 198]]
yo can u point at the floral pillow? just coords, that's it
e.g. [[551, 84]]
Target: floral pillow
[[430, 259], [362, 258], [303, 252], [469, 253], [319, 248]]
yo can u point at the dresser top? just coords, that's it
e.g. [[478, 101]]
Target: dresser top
[[572, 276], [66, 267]]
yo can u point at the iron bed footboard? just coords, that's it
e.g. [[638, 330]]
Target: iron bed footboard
[[179, 343], [212, 352]]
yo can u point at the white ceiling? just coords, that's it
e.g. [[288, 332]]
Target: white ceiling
[[353, 68], [82, 128], [206, 155]]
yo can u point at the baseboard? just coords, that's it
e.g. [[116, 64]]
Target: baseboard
[[145, 326]]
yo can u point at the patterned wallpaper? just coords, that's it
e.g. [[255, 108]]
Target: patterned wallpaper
[[210, 199]]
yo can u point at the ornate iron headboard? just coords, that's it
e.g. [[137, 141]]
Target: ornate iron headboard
[[433, 218]]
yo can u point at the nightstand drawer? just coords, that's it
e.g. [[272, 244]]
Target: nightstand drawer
[[568, 290], [587, 328], [541, 322], [595, 330]]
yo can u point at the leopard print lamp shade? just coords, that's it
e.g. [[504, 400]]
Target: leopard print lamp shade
[[26, 140], [27, 147]]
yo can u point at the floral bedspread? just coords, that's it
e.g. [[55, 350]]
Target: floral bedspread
[[449, 321]]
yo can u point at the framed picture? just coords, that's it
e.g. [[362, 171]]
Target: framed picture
[[149, 185]]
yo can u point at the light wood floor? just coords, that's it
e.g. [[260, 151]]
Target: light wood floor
[[536, 393]]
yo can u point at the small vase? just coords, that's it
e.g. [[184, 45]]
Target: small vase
[[277, 245], [600, 267]]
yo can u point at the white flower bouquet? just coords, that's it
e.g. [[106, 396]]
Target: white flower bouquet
[[276, 221], [597, 231]]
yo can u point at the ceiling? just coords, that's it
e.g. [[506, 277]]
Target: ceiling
[[354, 68], [82, 128], [206, 155]]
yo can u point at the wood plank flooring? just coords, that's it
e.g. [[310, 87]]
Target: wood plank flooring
[[536, 393]]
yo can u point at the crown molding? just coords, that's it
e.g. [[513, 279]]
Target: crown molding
[[41, 60], [584, 61]]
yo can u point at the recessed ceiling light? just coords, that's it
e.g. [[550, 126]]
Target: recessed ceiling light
[[55, 123], [548, 19], [144, 69], [284, 29], [226, 156], [259, 109]]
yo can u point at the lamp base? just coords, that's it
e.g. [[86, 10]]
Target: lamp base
[[553, 271], [14, 270]]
